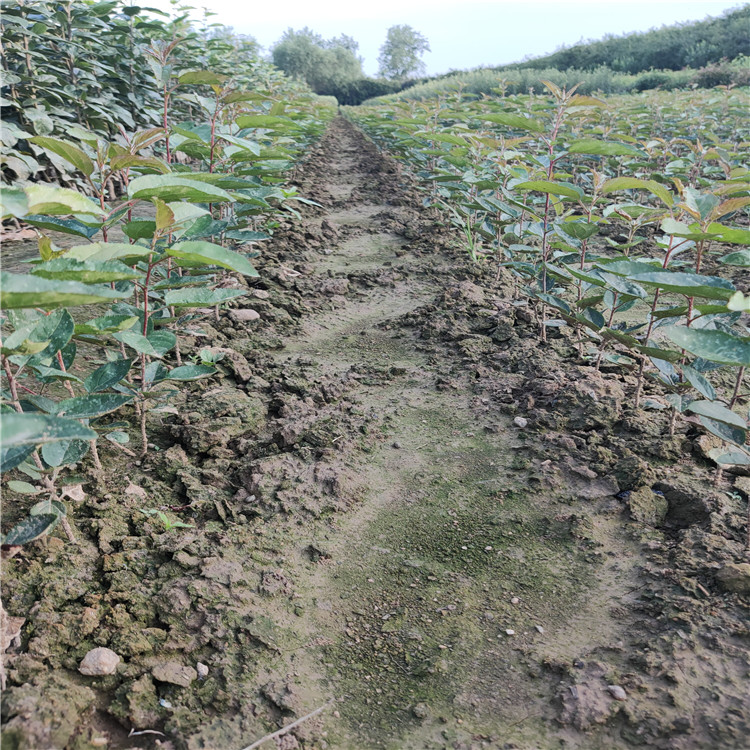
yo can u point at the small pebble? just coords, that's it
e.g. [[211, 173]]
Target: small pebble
[[617, 692], [510, 632], [244, 315], [421, 711], [520, 422], [98, 662], [488, 548], [515, 600], [164, 703], [396, 444], [539, 629], [202, 670]]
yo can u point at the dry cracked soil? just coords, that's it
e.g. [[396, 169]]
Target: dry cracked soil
[[406, 509]]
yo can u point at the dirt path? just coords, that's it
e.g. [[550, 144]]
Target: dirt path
[[447, 551], [404, 504]]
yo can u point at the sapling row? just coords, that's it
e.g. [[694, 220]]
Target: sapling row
[[154, 263], [606, 213]]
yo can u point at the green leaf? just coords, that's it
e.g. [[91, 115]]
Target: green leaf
[[31, 528], [740, 258], [162, 341], [732, 235], [703, 203], [268, 122], [68, 151], [545, 186], [689, 284], [680, 229], [730, 456], [65, 453], [104, 251], [627, 267], [656, 353], [555, 302], [47, 374], [19, 343], [118, 436], [10, 457], [196, 297], [155, 345], [603, 148], [717, 411], [66, 226], [197, 251], [48, 506], [140, 229], [23, 488], [88, 271], [246, 235], [190, 372], [739, 303], [107, 375], [246, 145], [110, 323], [623, 286], [715, 346], [579, 230], [92, 405], [699, 382], [218, 179], [36, 429], [57, 201], [26, 291], [164, 214], [517, 122], [56, 330], [728, 432], [146, 163], [592, 318], [13, 202], [171, 188], [632, 183], [203, 77]]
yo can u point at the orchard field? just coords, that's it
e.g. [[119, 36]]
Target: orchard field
[[416, 424]]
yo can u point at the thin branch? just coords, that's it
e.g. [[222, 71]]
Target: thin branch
[[288, 727]]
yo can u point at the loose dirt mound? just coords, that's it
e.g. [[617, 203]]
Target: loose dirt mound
[[403, 501]]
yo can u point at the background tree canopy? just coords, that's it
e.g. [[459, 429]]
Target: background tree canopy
[[401, 54], [323, 64]]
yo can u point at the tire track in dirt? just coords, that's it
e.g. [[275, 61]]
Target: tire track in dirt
[[448, 584]]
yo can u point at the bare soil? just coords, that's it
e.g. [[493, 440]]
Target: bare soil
[[374, 526]]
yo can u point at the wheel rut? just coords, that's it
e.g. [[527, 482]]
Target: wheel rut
[[442, 582]]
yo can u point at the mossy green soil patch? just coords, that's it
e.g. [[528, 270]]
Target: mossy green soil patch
[[446, 586]]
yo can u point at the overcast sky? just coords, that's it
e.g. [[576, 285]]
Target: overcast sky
[[461, 34]]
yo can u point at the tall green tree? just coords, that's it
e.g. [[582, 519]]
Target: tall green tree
[[401, 54], [323, 65]]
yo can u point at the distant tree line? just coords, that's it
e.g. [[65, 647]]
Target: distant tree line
[[684, 45], [332, 67]]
